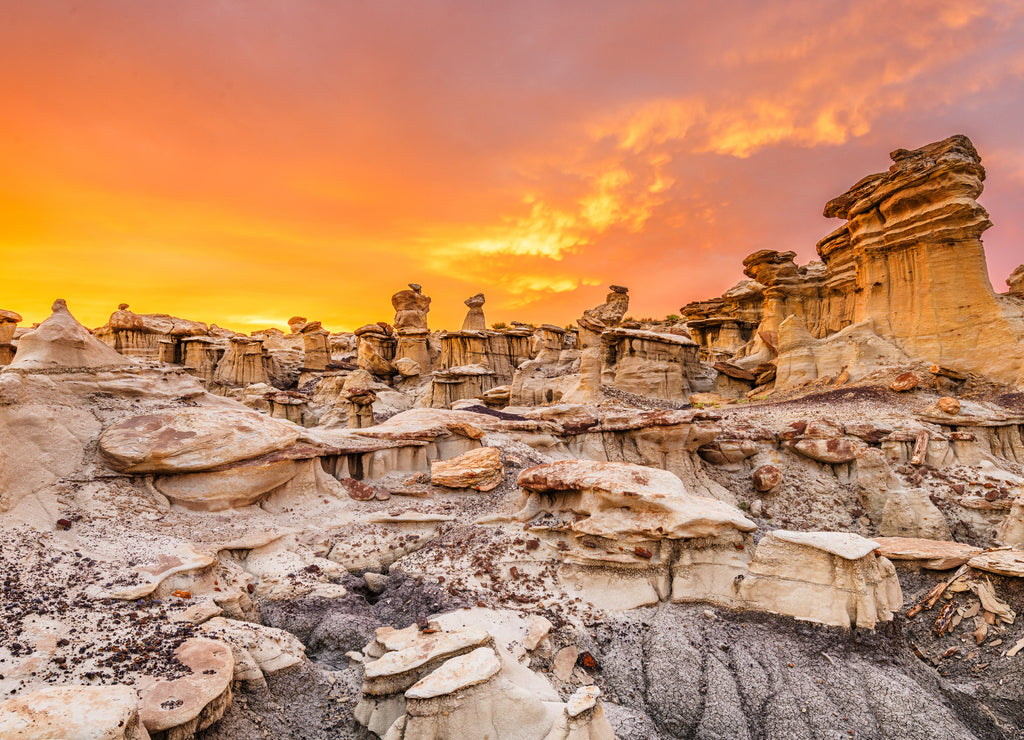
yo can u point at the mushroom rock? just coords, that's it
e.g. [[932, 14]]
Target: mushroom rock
[[8, 323], [73, 713], [411, 308], [624, 532], [475, 320], [295, 324], [61, 342], [908, 267], [610, 312], [183, 706], [622, 500]]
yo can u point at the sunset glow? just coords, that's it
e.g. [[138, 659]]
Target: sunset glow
[[243, 162]]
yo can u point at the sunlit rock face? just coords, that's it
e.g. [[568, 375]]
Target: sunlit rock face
[[914, 238], [153, 336], [908, 266], [8, 323]]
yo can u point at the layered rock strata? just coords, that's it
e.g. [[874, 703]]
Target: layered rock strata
[[907, 269]]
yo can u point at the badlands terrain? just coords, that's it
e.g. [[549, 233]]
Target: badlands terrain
[[792, 511]]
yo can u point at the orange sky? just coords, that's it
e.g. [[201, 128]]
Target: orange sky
[[243, 161]]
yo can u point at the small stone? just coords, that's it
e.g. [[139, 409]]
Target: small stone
[[949, 405], [905, 382], [539, 629], [766, 478], [565, 661], [375, 581]]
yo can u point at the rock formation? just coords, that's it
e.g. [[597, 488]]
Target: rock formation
[[8, 323], [316, 354], [244, 363], [907, 269], [475, 320], [531, 535], [411, 308], [153, 336]]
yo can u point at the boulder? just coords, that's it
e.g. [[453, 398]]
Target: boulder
[[479, 469], [905, 382], [766, 477], [949, 405]]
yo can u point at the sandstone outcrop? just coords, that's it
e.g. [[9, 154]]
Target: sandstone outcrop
[[411, 308], [8, 323], [475, 320], [60, 342], [73, 713], [1016, 282], [244, 363], [153, 336], [908, 268]]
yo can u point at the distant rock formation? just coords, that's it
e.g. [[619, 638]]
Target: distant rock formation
[[475, 320], [411, 308], [908, 268], [154, 336], [61, 342]]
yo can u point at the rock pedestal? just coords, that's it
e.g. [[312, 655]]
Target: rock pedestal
[[411, 308]]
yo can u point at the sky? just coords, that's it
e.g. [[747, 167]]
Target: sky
[[245, 161]]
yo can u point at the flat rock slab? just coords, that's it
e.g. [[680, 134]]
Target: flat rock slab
[[1000, 562], [843, 544], [436, 646], [933, 554], [624, 479], [191, 439], [455, 674], [73, 713]]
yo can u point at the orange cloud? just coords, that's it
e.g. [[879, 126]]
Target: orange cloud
[[241, 165]]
